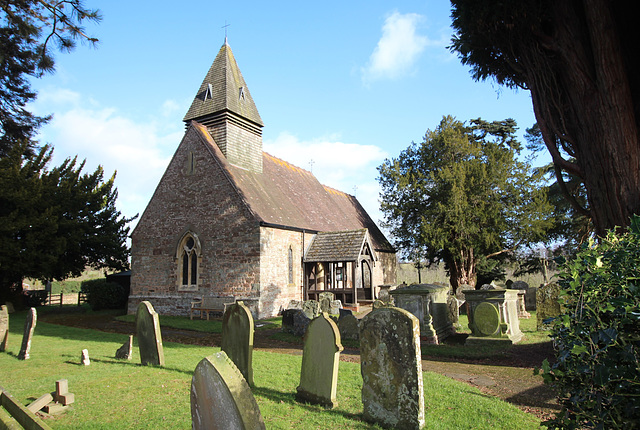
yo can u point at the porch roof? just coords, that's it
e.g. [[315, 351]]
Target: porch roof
[[335, 246]]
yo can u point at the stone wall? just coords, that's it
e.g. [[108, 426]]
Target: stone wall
[[275, 289], [194, 195], [385, 272]]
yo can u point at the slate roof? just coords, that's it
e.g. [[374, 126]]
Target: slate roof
[[336, 246], [290, 197], [223, 89]]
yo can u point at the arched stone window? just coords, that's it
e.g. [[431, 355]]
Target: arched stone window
[[188, 257]]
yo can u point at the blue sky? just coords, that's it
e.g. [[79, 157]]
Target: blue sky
[[340, 86]]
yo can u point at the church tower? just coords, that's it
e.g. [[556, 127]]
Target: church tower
[[224, 105]]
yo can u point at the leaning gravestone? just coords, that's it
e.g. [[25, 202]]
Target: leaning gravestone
[[4, 327], [237, 338], [221, 398], [149, 336], [320, 359], [349, 327], [124, 352], [391, 366], [29, 327]]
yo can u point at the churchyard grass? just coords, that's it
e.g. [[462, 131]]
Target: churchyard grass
[[119, 394]]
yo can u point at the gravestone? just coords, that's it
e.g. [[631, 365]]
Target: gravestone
[[522, 306], [493, 316], [84, 357], [10, 307], [336, 305], [453, 307], [320, 359], [344, 312], [221, 399], [295, 321], [391, 366], [428, 303], [124, 352], [324, 300], [547, 305], [311, 309], [29, 327], [4, 327], [349, 327], [295, 304], [237, 338], [149, 336]]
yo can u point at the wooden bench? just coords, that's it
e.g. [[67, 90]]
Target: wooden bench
[[210, 304]]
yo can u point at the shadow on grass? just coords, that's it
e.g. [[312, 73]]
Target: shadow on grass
[[288, 397], [541, 396]]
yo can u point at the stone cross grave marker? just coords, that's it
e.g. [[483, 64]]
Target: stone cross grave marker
[[124, 352], [149, 336], [4, 327], [221, 398], [237, 338], [391, 366], [29, 327], [320, 359]]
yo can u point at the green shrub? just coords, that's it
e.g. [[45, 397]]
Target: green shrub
[[104, 295], [597, 371]]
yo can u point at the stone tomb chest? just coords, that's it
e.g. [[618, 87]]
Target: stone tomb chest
[[428, 303], [493, 315]]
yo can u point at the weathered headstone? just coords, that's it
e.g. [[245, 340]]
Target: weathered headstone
[[221, 398], [295, 304], [344, 312], [493, 316], [29, 327], [320, 359], [149, 336], [428, 303], [547, 305], [391, 366], [453, 308], [295, 321], [522, 306], [124, 352], [324, 300], [4, 327], [349, 327], [311, 309], [336, 305], [62, 394], [237, 338], [84, 357]]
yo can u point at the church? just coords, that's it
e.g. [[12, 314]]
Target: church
[[228, 220]]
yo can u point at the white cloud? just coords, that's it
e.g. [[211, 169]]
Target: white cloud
[[348, 167], [138, 151], [398, 48]]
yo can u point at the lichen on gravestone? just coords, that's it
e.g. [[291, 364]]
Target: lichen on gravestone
[[391, 367]]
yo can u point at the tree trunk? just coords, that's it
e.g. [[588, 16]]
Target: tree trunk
[[462, 270], [587, 103]]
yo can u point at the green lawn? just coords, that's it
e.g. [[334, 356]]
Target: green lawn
[[115, 394]]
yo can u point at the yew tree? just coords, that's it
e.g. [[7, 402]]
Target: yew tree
[[463, 196], [577, 58]]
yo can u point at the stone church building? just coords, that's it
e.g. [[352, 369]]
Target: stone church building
[[229, 220]]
